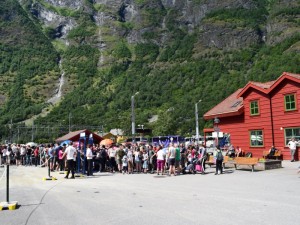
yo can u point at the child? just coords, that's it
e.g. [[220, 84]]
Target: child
[[125, 164], [145, 163]]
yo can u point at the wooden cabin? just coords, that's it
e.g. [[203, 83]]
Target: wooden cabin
[[260, 115]]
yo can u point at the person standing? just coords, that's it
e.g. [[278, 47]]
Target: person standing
[[112, 159], [177, 159], [130, 160], [23, 155], [119, 156], [219, 159], [171, 158], [138, 160], [102, 158], [160, 160], [51, 156], [71, 156], [203, 157], [28, 156], [36, 156], [293, 146], [60, 158], [145, 161], [89, 157], [18, 156], [125, 164]]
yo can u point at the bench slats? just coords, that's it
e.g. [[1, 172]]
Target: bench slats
[[245, 161]]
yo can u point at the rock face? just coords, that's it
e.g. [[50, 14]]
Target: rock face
[[132, 19], [224, 37], [192, 13], [67, 3], [61, 24]]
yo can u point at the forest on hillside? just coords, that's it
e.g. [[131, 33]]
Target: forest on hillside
[[170, 78]]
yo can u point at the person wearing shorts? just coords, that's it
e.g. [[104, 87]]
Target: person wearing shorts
[[172, 155], [160, 161]]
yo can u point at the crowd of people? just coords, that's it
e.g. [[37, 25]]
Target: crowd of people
[[127, 159], [173, 159]]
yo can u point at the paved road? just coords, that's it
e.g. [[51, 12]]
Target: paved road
[[236, 197]]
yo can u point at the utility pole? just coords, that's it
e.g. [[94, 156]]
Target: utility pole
[[70, 116], [197, 121], [32, 131], [133, 117]]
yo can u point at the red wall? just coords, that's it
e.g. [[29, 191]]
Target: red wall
[[239, 126], [282, 119]]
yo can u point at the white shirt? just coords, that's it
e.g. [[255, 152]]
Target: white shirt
[[124, 161], [89, 153], [292, 145], [136, 156], [70, 151], [112, 152], [130, 156], [4, 152], [23, 151], [160, 155]]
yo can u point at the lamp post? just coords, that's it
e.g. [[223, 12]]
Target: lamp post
[[133, 116], [70, 116], [197, 121], [217, 129]]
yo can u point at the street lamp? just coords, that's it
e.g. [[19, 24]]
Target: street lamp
[[133, 116], [70, 116], [197, 121], [217, 129]]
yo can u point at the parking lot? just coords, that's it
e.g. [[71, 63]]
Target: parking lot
[[235, 197]]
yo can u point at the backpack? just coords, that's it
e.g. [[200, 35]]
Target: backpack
[[103, 154], [219, 156]]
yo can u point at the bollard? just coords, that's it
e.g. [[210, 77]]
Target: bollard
[[7, 183], [49, 177], [8, 205], [49, 170]]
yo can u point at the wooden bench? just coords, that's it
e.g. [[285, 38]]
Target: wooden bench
[[245, 161], [277, 154], [211, 161]]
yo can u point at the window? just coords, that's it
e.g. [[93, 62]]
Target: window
[[291, 132], [290, 102], [256, 138], [254, 109]]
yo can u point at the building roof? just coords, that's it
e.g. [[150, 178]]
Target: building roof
[[233, 105], [75, 136], [271, 85]]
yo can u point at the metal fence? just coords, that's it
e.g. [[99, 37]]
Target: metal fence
[[41, 133]]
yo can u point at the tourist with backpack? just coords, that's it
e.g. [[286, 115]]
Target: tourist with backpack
[[102, 155], [218, 155]]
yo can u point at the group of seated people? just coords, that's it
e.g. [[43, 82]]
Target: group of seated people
[[233, 152]]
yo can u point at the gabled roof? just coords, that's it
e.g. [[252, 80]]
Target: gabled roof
[[231, 106], [268, 87], [75, 135]]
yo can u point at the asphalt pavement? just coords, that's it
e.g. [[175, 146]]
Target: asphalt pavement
[[235, 197]]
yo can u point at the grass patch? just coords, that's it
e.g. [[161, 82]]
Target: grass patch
[[59, 45]]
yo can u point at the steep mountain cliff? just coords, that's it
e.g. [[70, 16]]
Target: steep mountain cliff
[[93, 55]]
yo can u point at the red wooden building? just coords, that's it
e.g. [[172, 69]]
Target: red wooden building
[[261, 115]]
